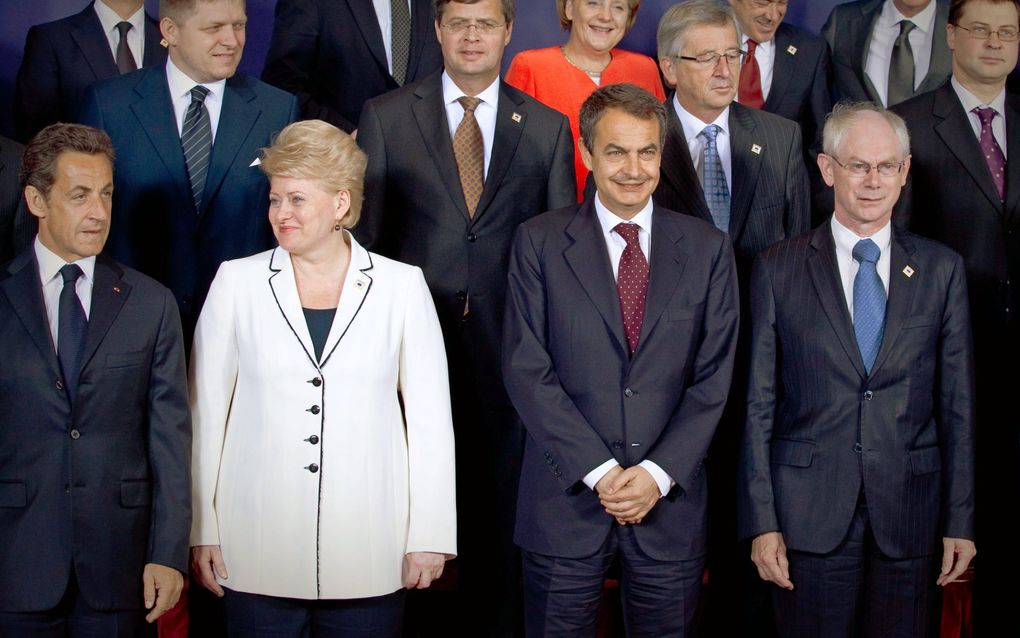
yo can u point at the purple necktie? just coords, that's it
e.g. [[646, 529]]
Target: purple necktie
[[991, 149], [632, 283]]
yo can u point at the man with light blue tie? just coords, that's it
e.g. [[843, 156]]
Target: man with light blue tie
[[860, 398]]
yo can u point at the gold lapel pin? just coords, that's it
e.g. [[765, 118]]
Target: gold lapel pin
[[516, 117], [792, 50], [756, 149], [908, 271]]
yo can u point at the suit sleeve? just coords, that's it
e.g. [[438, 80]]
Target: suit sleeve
[[562, 187], [424, 386], [798, 189], [955, 408], [756, 510], [683, 444], [291, 61], [547, 411], [214, 367], [36, 89], [369, 230], [169, 441], [90, 112]]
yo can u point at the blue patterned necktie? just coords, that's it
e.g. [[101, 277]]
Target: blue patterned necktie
[[869, 302], [717, 195], [196, 140], [72, 326]]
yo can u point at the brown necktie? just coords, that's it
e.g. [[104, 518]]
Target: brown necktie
[[469, 152], [632, 283], [749, 91]]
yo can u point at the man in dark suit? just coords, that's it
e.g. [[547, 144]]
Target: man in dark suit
[[95, 497], [336, 55], [455, 163], [189, 190], [857, 464], [620, 331], [17, 227], [64, 57], [965, 192], [887, 51]]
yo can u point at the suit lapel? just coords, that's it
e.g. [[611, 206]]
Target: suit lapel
[[154, 52], [109, 292], [941, 64], [825, 276], [357, 285], [588, 258], [237, 117], [901, 295], [24, 292], [746, 167], [511, 119], [665, 271], [368, 24], [861, 41], [430, 114], [154, 112], [677, 168], [1012, 167], [956, 133], [422, 32], [281, 282], [785, 66], [88, 35]]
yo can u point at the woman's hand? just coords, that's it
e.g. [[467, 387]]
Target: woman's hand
[[420, 568], [205, 559]]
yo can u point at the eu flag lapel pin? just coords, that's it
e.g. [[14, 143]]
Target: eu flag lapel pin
[[756, 149], [792, 50], [908, 271], [516, 117]]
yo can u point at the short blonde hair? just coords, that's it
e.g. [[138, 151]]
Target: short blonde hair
[[633, 5], [319, 151]]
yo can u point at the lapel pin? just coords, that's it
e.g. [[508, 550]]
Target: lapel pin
[[163, 43], [116, 289], [516, 117], [756, 149], [359, 283], [908, 271], [792, 50]]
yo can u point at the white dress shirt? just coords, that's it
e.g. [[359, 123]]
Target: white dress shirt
[[52, 283], [845, 240], [765, 56], [385, 17], [615, 243], [883, 37], [485, 114], [692, 128], [971, 102], [135, 37], [180, 93]]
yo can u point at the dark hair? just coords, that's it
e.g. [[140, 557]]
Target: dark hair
[[39, 163], [180, 10], [956, 7], [508, 8], [630, 99]]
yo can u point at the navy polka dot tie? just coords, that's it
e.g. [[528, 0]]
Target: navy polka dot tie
[[632, 283]]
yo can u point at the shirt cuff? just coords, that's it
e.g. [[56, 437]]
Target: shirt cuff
[[591, 479], [663, 480]]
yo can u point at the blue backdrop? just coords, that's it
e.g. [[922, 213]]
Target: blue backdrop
[[536, 26]]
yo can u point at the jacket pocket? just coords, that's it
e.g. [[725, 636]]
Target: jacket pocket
[[135, 493], [793, 453], [13, 494], [125, 359], [919, 321], [925, 460]]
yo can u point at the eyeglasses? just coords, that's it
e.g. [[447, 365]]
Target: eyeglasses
[[711, 58], [763, 4], [482, 27], [861, 169], [981, 32]]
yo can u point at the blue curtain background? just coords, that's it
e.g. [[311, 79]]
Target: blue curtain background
[[536, 26]]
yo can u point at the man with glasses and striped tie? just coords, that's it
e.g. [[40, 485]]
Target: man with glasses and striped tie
[[857, 464]]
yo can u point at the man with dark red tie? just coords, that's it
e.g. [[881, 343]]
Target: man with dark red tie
[[965, 192], [620, 330]]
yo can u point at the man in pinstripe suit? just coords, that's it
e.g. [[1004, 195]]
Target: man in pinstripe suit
[[857, 468]]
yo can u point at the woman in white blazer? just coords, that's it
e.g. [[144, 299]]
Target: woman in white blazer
[[317, 497]]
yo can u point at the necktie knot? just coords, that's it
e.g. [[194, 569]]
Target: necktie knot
[[70, 273], [198, 93], [866, 251], [710, 132], [123, 27], [985, 114], [906, 26], [751, 46], [629, 232], [469, 103]]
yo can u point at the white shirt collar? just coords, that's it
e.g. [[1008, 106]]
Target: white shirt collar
[[181, 85], [766, 47], [846, 239], [608, 219], [971, 101], [451, 92], [693, 126], [50, 263], [109, 18], [891, 17]]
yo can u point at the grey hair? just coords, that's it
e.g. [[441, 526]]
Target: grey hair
[[692, 13], [842, 117]]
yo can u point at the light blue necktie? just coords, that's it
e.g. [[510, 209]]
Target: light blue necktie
[[869, 302], [717, 195]]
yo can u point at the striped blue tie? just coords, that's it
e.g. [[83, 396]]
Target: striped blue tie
[[869, 302], [196, 140], [717, 194]]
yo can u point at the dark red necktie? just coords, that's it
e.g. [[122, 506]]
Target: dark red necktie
[[749, 90], [632, 283]]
